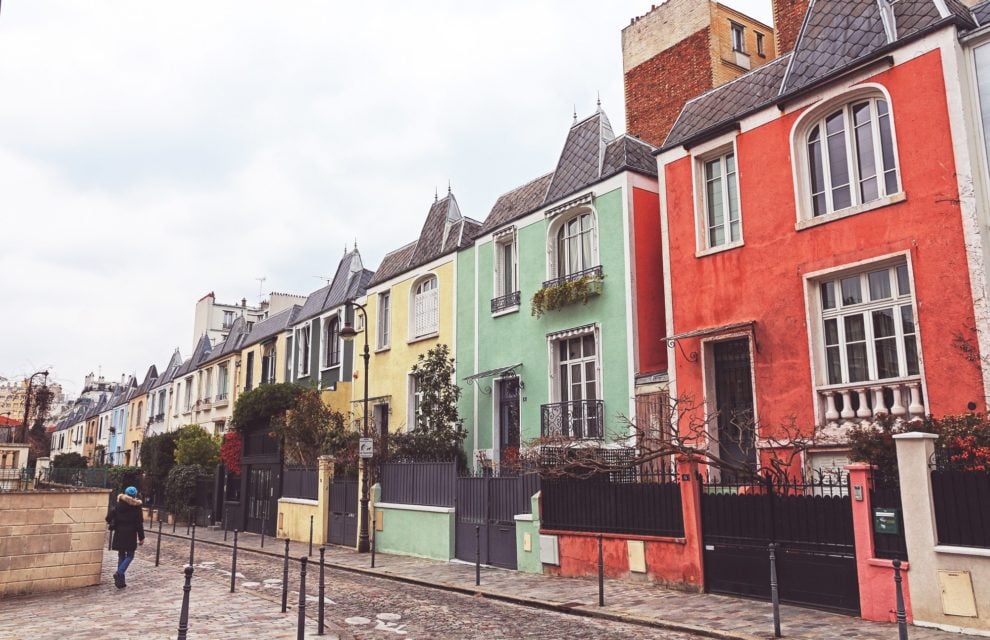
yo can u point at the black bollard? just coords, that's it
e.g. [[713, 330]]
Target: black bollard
[[301, 624], [175, 520], [902, 631], [311, 535], [601, 573], [192, 546], [226, 518], [319, 617], [188, 520], [262, 535], [774, 593], [158, 543], [184, 613], [233, 564], [372, 545], [477, 556], [285, 578]]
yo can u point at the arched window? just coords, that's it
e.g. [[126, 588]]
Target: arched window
[[425, 307], [574, 245], [137, 420], [850, 156], [331, 354]]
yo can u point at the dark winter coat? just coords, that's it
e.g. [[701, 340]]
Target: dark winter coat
[[126, 520]]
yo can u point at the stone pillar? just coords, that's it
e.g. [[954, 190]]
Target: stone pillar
[[326, 468], [687, 471], [876, 575]]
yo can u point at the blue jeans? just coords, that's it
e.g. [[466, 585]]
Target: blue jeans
[[124, 561]]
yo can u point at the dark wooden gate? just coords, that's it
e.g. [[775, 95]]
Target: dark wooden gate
[[262, 498], [811, 522], [343, 510], [486, 505]]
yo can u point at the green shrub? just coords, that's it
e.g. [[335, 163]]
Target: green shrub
[[196, 446], [180, 487], [71, 460]]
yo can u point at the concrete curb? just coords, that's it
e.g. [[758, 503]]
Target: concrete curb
[[576, 610]]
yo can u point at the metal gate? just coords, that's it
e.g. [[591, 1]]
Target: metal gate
[[343, 510], [485, 512], [262, 498], [811, 522]]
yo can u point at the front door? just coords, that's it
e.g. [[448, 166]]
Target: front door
[[508, 419], [262, 503], [734, 402]]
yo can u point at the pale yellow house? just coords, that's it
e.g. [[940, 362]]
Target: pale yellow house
[[138, 417], [263, 353], [411, 307]]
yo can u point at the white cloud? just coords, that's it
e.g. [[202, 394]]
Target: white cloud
[[152, 152]]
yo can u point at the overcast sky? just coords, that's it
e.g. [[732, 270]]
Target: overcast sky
[[151, 152]]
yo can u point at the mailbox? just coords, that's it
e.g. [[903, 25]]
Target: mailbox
[[886, 520]]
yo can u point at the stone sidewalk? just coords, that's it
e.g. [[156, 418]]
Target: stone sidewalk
[[626, 600], [148, 609]]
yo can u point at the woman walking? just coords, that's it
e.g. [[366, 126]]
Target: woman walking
[[127, 524]]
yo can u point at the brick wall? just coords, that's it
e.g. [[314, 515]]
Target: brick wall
[[50, 540], [787, 18], [657, 89]]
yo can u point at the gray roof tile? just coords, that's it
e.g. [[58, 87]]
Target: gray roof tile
[[348, 282], [517, 203], [982, 12], [580, 162], [272, 326], [728, 101]]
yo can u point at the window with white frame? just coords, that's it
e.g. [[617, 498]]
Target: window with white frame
[[850, 156], [425, 307], [576, 384], [721, 201], [302, 350], [222, 374], [981, 56], [868, 326], [415, 400], [207, 385], [268, 360], [331, 346], [506, 265], [573, 248], [189, 388], [228, 319], [384, 320], [738, 37]]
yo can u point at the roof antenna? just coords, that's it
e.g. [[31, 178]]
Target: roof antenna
[[261, 284]]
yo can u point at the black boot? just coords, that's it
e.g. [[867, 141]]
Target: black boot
[[118, 580], [122, 583]]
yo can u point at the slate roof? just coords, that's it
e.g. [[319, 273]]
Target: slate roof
[[232, 343], [444, 231], [169, 374], [149, 381], [835, 34], [271, 326], [591, 153], [982, 12], [203, 349], [349, 281]]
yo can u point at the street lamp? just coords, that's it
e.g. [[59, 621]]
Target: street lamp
[[348, 333], [27, 404]]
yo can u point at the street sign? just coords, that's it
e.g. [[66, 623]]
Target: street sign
[[366, 448]]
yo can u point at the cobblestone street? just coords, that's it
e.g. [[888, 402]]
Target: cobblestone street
[[358, 606]]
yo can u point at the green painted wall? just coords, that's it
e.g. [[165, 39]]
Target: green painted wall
[[521, 337], [424, 534], [529, 561]]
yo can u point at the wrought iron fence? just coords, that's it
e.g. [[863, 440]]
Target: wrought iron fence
[[579, 419], [300, 482], [961, 495], [593, 272], [424, 483], [885, 495], [16, 479], [506, 302], [640, 503]]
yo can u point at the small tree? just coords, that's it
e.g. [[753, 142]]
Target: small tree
[[157, 459], [196, 446], [439, 430], [70, 460], [310, 428], [258, 408], [180, 487]]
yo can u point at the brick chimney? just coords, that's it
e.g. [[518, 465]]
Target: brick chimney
[[787, 18]]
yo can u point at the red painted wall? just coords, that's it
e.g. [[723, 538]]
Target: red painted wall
[[763, 281], [650, 315]]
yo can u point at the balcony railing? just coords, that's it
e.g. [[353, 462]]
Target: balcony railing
[[864, 402], [594, 273], [506, 302], [578, 419]]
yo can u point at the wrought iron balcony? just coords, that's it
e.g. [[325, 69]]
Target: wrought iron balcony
[[506, 302], [578, 419], [595, 273]]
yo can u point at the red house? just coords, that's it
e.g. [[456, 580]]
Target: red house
[[815, 219]]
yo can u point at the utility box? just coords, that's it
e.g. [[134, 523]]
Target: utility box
[[886, 520], [549, 551], [957, 593]]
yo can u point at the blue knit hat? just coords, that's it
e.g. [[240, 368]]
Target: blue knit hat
[[131, 491]]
